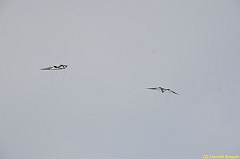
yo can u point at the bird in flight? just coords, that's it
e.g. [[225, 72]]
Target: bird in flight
[[60, 67], [163, 89]]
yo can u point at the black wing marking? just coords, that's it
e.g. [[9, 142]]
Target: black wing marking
[[162, 89], [62, 66]]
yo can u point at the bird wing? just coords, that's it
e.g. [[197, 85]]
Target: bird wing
[[173, 92], [151, 88], [47, 68], [53, 68]]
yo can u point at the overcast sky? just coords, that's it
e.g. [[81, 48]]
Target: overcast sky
[[99, 107]]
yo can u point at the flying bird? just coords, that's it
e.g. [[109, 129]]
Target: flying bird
[[163, 89], [60, 67]]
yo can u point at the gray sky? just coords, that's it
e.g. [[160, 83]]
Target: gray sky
[[98, 108]]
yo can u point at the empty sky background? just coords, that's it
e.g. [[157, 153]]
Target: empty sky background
[[98, 108]]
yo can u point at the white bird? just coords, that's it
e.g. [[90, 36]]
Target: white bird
[[60, 67], [162, 89]]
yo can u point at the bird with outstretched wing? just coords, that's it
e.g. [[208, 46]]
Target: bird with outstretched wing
[[60, 67], [162, 89]]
